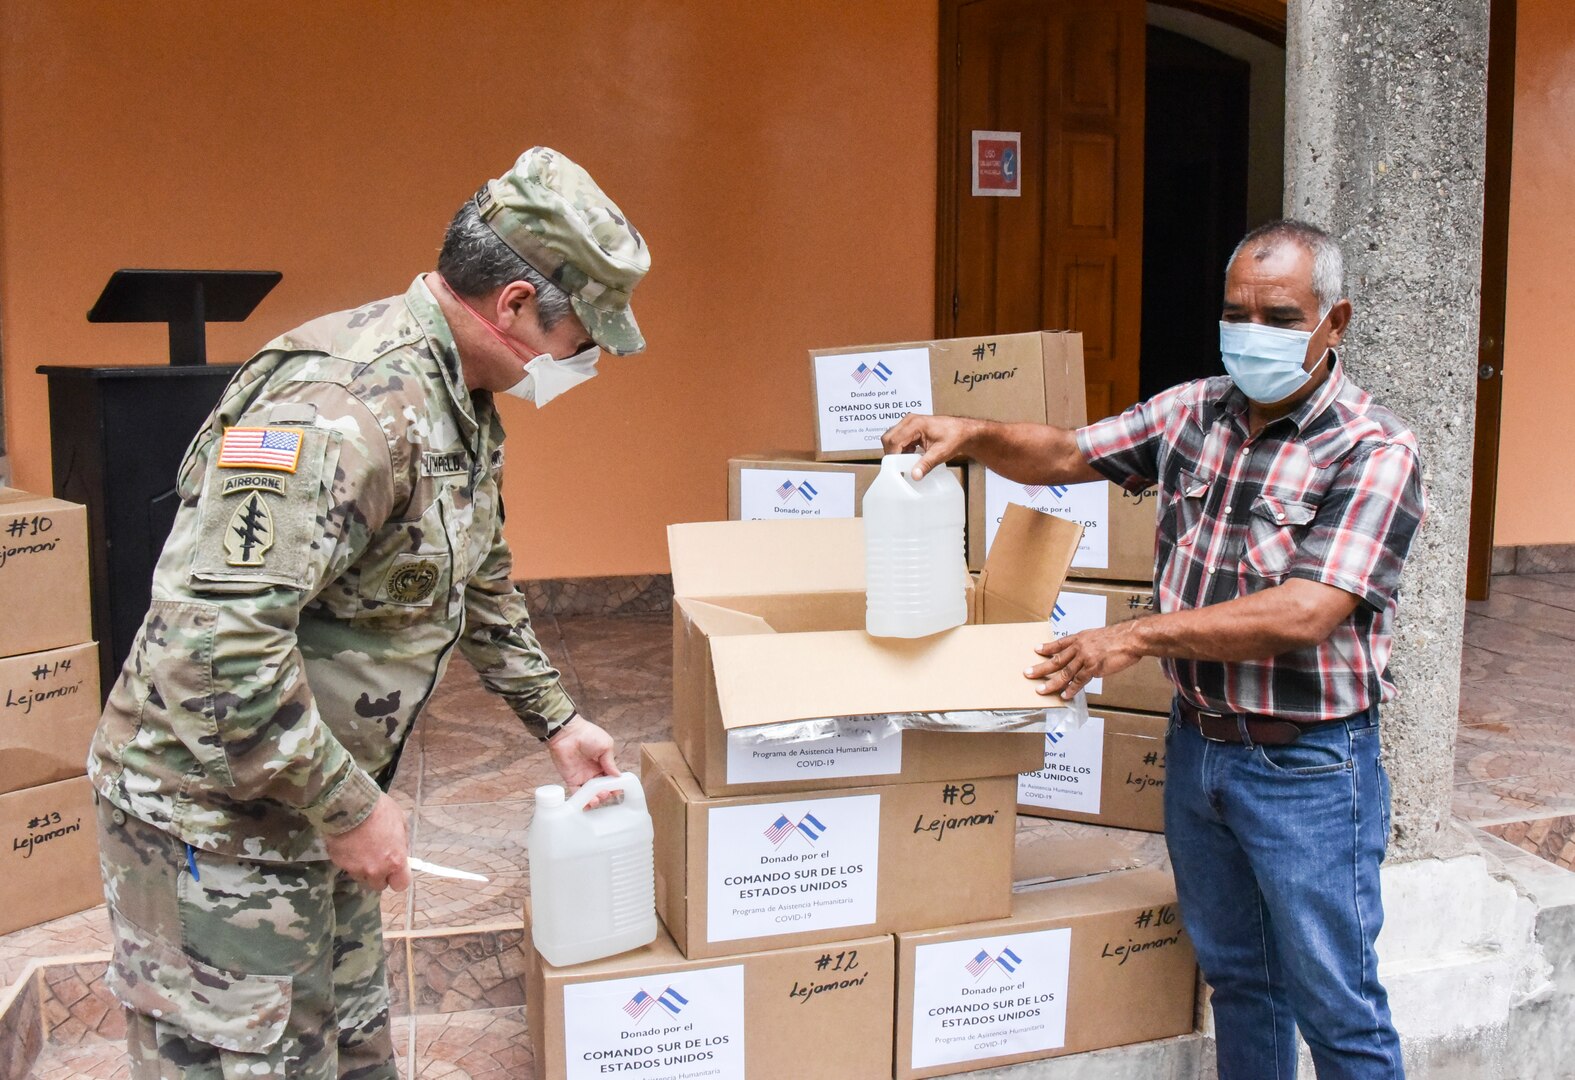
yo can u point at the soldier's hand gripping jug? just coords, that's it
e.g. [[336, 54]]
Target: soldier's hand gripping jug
[[592, 876], [915, 569]]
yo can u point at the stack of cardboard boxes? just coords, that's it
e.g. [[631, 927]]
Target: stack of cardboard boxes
[[49, 705], [1112, 771], [834, 857]]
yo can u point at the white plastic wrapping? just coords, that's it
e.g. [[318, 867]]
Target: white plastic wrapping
[[870, 729]]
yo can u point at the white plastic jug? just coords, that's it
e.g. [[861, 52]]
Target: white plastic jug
[[592, 876], [915, 568]]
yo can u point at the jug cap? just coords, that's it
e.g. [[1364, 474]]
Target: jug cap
[[549, 795]]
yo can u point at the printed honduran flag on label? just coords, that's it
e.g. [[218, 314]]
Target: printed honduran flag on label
[[260, 448]]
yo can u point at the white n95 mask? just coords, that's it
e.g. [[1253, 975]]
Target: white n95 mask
[[546, 378], [1265, 362]]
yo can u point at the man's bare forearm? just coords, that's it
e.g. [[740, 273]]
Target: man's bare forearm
[[1030, 453], [1296, 615]]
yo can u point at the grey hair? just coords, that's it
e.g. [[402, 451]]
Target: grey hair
[[1328, 269], [474, 262]]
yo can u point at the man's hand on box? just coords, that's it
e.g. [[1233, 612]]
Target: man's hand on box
[[938, 438], [581, 751], [1077, 658]]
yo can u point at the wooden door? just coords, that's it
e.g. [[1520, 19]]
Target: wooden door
[[1495, 274], [1067, 252]]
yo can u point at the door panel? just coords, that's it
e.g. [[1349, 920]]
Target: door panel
[[1090, 56], [1091, 185], [1067, 252]]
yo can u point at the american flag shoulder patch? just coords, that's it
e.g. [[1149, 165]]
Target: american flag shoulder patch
[[260, 448]]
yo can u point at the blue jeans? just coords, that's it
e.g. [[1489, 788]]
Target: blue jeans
[[1276, 852]]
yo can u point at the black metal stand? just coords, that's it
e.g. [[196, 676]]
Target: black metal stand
[[118, 433], [186, 299]]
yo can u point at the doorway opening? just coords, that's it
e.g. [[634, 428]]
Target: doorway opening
[[1214, 137]]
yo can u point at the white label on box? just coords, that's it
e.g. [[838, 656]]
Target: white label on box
[[1086, 504], [788, 867], [1073, 613], [1073, 770], [663, 1026], [863, 394], [859, 748], [768, 494], [990, 997]]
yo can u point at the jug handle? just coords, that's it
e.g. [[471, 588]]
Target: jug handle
[[592, 788]]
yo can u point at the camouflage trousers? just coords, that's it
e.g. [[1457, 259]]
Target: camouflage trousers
[[234, 969]]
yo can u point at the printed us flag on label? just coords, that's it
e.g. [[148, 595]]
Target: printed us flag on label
[[260, 448]]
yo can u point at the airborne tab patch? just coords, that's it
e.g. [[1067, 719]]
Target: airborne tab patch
[[233, 485], [259, 448]]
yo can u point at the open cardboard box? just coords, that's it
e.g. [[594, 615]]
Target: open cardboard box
[[768, 621], [860, 391]]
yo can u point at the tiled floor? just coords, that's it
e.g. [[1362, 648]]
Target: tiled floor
[[467, 776], [1515, 749]]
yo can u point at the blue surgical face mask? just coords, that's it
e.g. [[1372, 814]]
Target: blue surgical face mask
[[1265, 362]]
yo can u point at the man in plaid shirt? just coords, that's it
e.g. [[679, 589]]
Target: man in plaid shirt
[[1288, 503]]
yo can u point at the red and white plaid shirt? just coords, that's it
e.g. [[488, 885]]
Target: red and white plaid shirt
[[1331, 493]]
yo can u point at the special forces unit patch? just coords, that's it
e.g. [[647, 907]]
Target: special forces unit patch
[[250, 532]]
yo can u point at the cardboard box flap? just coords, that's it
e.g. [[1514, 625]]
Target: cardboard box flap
[[718, 620], [772, 679], [751, 558], [1027, 565]]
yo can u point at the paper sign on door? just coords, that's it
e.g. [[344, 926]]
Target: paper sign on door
[[863, 394], [998, 163], [787, 867], [663, 1026], [1073, 770], [767, 494], [990, 997]]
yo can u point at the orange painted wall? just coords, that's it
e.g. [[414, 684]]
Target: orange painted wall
[[1536, 486], [779, 157]]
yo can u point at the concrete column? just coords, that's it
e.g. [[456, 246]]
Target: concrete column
[[1384, 134]]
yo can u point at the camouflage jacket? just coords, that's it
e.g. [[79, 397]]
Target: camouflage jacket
[[339, 532]]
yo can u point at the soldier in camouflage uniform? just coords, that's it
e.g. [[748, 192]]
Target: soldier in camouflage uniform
[[339, 534]]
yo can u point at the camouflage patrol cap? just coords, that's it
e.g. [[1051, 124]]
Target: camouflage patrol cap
[[552, 214]]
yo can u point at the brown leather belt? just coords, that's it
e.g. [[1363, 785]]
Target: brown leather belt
[[1226, 727]]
